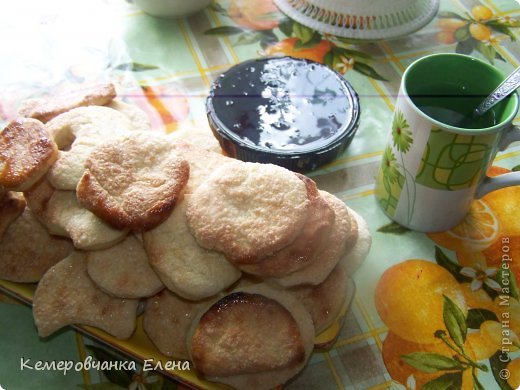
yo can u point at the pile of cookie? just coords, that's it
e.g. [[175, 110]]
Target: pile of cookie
[[239, 265]]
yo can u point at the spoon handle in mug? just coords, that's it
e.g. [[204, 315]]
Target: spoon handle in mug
[[503, 90]]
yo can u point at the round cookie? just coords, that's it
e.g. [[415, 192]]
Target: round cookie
[[303, 251], [123, 270], [133, 181], [167, 319], [248, 210], [184, 267], [255, 337], [202, 162], [77, 132], [325, 300], [26, 153], [45, 109], [12, 206], [342, 238], [66, 295], [137, 117], [62, 215], [25, 260], [355, 257]]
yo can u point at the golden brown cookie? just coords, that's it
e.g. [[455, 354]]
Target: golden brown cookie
[[12, 206], [303, 250], [66, 295], [37, 198], [341, 239], [358, 253], [44, 109], [184, 267], [200, 137], [123, 270], [134, 181], [62, 215], [325, 300], [248, 211], [202, 162], [76, 133], [137, 117], [27, 250], [26, 153], [255, 337], [167, 319]]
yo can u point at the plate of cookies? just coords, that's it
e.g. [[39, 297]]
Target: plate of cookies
[[164, 249]]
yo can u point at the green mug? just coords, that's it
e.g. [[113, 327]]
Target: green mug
[[438, 151]]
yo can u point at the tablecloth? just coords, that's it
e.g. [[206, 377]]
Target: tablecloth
[[166, 67]]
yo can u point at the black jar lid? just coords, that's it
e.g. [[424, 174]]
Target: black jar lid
[[295, 113]]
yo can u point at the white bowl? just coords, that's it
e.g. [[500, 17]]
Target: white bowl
[[171, 8], [361, 19]]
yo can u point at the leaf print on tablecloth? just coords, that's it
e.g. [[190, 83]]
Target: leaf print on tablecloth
[[261, 22], [470, 332], [481, 30]]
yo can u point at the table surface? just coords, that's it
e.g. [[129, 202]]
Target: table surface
[[166, 67]]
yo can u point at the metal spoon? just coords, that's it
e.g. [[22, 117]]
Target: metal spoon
[[507, 86]]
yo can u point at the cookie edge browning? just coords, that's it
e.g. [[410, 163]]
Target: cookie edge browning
[[267, 379], [316, 272], [303, 251], [40, 150], [150, 313], [36, 108], [94, 198], [12, 206], [222, 241], [355, 256]]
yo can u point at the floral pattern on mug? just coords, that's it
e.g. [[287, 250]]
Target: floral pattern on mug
[[391, 177], [401, 135]]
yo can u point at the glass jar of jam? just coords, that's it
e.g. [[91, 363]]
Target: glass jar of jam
[[291, 112]]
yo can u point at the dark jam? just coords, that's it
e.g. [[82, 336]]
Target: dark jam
[[283, 104]]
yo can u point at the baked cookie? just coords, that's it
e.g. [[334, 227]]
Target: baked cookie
[[341, 239], [359, 252], [26, 153], [44, 109], [167, 319], [201, 137], [76, 133], [123, 270], [255, 338], [202, 162], [325, 301], [64, 216], [137, 117], [12, 206], [66, 295], [184, 267], [303, 250], [134, 181], [248, 211], [27, 250]]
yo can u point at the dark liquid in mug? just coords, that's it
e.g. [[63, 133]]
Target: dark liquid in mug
[[454, 108]]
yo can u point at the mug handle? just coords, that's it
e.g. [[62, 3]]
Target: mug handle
[[491, 184]]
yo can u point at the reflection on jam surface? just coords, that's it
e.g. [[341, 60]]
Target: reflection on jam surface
[[283, 104]]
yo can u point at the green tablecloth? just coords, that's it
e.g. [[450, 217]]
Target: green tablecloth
[[166, 67]]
